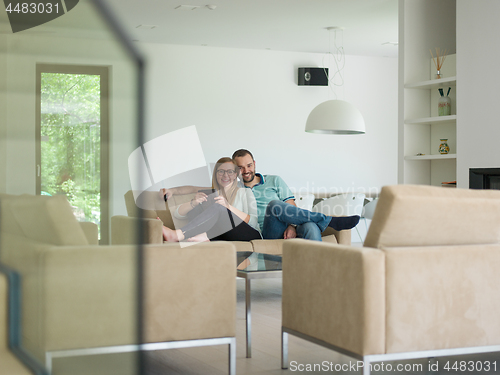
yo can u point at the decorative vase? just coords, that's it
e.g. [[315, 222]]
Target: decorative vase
[[444, 106], [443, 147]]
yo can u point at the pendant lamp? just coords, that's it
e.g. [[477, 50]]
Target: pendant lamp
[[335, 116]]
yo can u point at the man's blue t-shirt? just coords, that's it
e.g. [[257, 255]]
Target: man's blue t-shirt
[[270, 188]]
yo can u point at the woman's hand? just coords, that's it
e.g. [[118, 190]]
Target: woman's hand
[[166, 192], [222, 201], [199, 198]]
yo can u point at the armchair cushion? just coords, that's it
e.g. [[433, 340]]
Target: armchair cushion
[[442, 297], [89, 296], [47, 219], [189, 292], [91, 232], [346, 308], [435, 217], [7, 224]]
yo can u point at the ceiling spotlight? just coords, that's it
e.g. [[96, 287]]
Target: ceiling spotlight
[[211, 7]]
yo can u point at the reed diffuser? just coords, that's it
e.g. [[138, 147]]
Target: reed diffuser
[[438, 61], [444, 103]]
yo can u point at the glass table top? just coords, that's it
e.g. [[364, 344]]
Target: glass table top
[[248, 261]]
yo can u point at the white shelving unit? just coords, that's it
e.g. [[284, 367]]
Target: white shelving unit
[[425, 25], [431, 157], [433, 120], [433, 83]]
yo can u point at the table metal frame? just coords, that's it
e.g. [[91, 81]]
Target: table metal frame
[[249, 276]]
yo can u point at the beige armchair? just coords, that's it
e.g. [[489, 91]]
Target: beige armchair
[[82, 299], [425, 284]]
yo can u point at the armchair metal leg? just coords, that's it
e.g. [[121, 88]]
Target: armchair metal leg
[[231, 341], [48, 362], [284, 349], [232, 357], [374, 358], [366, 366]]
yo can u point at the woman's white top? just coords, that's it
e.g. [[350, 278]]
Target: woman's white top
[[245, 202]]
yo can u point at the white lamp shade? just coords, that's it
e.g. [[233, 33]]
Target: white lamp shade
[[335, 117]]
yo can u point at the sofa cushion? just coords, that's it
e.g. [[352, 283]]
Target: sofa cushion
[[409, 215], [47, 219], [332, 239], [143, 203], [242, 245], [149, 204], [268, 246]]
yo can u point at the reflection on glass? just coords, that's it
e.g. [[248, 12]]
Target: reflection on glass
[[61, 175]]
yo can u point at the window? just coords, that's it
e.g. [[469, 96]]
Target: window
[[72, 139]]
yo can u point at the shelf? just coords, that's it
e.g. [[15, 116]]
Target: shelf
[[431, 157], [433, 83], [433, 120]]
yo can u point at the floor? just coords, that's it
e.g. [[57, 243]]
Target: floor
[[266, 339]]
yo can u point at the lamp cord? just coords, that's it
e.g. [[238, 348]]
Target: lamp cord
[[339, 60]]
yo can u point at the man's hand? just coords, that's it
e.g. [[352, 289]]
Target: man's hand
[[290, 232]]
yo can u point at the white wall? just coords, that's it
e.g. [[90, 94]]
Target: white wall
[[250, 99], [478, 81]]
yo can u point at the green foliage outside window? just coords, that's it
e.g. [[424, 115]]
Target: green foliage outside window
[[70, 130]]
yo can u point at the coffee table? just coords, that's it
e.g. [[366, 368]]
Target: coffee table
[[252, 266]]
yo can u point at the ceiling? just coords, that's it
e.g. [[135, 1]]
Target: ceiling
[[281, 25], [371, 26]]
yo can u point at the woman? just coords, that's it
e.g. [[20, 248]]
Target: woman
[[232, 216]]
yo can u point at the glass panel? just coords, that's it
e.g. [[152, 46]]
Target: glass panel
[[248, 261], [71, 141], [80, 299]]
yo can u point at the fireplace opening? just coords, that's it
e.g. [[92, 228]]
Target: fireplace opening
[[484, 178]]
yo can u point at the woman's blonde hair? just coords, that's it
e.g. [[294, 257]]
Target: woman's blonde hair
[[230, 195]]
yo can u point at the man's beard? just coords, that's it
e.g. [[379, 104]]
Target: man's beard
[[249, 178]]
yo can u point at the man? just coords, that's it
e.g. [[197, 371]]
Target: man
[[279, 216]]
